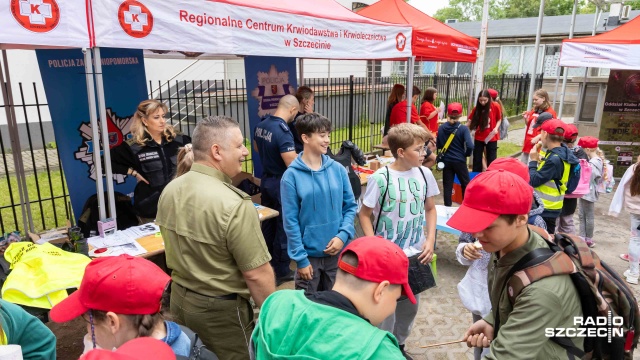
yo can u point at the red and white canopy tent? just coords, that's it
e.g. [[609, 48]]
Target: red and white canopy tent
[[615, 49], [291, 28], [38, 24], [431, 40]]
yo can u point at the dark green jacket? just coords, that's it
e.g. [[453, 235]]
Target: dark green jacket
[[20, 328], [551, 302]]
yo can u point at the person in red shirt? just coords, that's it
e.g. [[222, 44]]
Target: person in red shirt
[[428, 111], [532, 134], [485, 120], [399, 112], [396, 95]]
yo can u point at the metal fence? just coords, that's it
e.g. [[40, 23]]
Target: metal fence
[[356, 107]]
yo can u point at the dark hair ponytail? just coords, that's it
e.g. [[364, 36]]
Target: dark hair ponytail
[[480, 117]]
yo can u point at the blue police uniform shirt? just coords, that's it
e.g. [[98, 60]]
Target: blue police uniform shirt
[[273, 137]]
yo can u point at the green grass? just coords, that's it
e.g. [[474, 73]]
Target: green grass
[[516, 125], [39, 211]]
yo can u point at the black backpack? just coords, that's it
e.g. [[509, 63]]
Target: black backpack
[[198, 350], [126, 218], [349, 151]]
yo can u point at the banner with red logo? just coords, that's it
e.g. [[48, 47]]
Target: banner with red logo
[[44, 23], [219, 28], [65, 86]]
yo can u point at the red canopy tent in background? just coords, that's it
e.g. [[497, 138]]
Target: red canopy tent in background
[[431, 40], [615, 49]]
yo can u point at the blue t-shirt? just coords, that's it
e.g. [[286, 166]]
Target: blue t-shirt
[[273, 137]]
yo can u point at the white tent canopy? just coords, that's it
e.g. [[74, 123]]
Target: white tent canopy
[[291, 28]]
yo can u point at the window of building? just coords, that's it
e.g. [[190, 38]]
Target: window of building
[[511, 57], [527, 59], [491, 57]]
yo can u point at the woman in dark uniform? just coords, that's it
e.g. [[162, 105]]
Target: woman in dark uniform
[[150, 156]]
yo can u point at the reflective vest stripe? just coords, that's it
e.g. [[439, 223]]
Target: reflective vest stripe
[[552, 196]]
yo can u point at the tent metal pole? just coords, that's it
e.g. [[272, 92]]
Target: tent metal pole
[[95, 134], [16, 148], [301, 66], [484, 28], [102, 109], [372, 102], [472, 89], [532, 85], [409, 89], [566, 71]]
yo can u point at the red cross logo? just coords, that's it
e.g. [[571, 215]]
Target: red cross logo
[[36, 15], [135, 18]]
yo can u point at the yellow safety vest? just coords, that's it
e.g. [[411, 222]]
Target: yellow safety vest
[[551, 194]]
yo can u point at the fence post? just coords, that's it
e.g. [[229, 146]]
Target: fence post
[[446, 100], [502, 86], [519, 92], [351, 99]]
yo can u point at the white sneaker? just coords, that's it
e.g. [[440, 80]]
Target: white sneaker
[[630, 278]]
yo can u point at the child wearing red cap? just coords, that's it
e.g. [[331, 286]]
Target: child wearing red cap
[[120, 298], [339, 323], [454, 157], [485, 120], [586, 204], [569, 205], [495, 212], [133, 350], [550, 172], [400, 198], [473, 289]]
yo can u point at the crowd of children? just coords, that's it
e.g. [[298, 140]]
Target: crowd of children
[[360, 288]]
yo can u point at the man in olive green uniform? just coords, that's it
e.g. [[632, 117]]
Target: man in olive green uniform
[[214, 244], [495, 211]]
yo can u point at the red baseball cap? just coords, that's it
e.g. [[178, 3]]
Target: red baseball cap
[[379, 260], [138, 348], [588, 142], [511, 165], [493, 93], [570, 132], [122, 284], [554, 127], [489, 195], [454, 109]]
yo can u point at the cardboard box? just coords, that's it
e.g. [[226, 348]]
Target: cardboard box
[[56, 236]]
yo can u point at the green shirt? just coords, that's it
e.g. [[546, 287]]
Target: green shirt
[[551, 302], [293, 327], [211, 233], [20, 328]]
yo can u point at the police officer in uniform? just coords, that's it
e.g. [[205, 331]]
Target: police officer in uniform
[[273, 142], [150, 156]]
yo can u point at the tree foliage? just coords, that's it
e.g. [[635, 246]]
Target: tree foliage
[[471, 10]]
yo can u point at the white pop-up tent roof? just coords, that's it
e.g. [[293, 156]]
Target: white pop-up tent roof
[[30, 24], [290, 28], [615, 49]]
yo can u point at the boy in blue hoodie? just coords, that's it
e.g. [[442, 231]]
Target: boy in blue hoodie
[[318, 207]]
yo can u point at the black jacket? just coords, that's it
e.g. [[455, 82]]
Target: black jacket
[[157, 163]]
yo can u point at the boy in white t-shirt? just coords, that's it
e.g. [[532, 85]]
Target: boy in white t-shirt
[[406, 190]]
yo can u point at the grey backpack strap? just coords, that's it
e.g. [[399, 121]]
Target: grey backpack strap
[[198, 349]]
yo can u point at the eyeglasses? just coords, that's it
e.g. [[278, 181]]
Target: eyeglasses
[[424, 150]]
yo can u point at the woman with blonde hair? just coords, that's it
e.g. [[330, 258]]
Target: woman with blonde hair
[[150, 156]]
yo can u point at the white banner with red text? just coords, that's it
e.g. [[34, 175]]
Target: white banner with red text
[[611, 56], [195, 27]]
